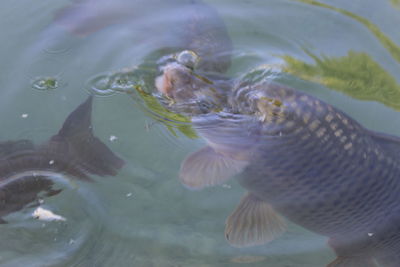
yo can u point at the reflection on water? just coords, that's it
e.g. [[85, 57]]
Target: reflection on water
[[312, 172]]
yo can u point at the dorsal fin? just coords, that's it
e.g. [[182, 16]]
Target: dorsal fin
[[79, 121], [76, 141]]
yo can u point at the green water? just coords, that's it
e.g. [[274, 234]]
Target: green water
[[345, 52]]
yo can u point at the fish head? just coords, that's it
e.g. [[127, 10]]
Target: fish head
[[188, 92], [275, 106]]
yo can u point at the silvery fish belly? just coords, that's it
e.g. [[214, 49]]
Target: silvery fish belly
[[298, 157]]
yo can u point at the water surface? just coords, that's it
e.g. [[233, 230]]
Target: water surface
[[346, 53]]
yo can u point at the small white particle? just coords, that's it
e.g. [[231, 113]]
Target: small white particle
[[113, 138], [129, 194], [24, 116], [226, 186], [71, 241], [46, 215], [51, 162], [370, 234], [41, 201]]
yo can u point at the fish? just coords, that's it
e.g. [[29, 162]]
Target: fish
[[26, 169], [158, 25], [299, 158]]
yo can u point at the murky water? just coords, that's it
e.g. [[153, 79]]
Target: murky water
[[346, 53]]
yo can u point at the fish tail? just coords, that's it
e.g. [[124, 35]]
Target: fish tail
[[76, 141], [353, 262]]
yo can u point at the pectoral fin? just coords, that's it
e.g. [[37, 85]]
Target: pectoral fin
[[254, 222], [207, 167]]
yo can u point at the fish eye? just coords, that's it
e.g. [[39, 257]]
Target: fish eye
[[188, 59]]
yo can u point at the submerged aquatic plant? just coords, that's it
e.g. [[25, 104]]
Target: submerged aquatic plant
[[395, 3], [138, 82], [355, 74]]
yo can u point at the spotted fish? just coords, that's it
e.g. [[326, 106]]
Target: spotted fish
[[26, 170], [299, 158]]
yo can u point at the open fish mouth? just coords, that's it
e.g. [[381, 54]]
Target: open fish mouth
[[187, 92]]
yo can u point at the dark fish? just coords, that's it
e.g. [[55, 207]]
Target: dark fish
[[299, 158], [159, 24], [26, 169]]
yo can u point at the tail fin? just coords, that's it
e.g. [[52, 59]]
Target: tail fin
[[353, 262], [76, 141]]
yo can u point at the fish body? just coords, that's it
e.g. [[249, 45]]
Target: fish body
[[298, 157], [171, 25], [26, 169]]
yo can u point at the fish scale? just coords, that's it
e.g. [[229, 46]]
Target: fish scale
[[300, 186]]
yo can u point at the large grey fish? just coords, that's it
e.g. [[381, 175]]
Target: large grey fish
[[298, 157], [27, 170]]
